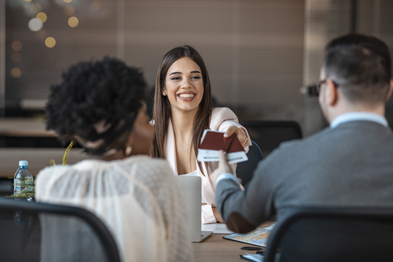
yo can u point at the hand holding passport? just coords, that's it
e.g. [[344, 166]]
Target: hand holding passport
[[214, 141]]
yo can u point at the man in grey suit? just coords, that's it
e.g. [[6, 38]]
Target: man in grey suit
[[347, 164]]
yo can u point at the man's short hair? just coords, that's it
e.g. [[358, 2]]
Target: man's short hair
[[361, 66]]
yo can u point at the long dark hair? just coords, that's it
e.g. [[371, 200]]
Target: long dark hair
[[162, 106]]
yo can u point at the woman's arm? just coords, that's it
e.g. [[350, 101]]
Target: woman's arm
[[217, 215]]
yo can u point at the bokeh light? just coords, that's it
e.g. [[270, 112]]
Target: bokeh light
[[42, 16], [67, 1], [35, 24], [15, 72], [95, 5], [73, 21], [35, 8], [40, 34], [17, 46], [16, 57], [27, 0], [69, 10], [50, 42]]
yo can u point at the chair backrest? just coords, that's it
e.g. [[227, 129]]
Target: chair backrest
[[270, 134], [33, 231], [245, 170], [332, 234]]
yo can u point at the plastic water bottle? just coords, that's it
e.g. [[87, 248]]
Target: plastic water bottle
[[23, 179]]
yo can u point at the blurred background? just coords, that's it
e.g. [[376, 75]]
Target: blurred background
[[259, 53]]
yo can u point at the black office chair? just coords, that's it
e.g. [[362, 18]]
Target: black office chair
[[270, 134], [245, 170], [332, 234], [31, 231]]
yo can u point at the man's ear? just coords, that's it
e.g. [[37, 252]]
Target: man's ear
[[389, 94], [332, 94]]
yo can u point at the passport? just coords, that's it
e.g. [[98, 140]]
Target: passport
[[214, 141]]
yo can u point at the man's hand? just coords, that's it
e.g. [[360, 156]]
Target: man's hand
[[223, 167], [239, 133]]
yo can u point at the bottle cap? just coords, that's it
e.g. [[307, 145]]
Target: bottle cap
[[23, 163]]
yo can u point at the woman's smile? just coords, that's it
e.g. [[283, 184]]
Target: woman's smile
[[184, 85], [186, 96]]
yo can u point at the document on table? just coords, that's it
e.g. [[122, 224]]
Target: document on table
[[217, 228], [257, 237]]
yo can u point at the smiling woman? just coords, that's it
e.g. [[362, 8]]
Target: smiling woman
[[182, 111], [184, 85]]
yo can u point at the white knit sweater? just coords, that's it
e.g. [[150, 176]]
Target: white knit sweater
[[137, 198]]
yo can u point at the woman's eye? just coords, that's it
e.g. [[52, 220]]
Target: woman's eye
[[196, 77], [175, 78]]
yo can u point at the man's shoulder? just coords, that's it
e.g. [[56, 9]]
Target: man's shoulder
[[330, 141], [294, 154], [287, 147]]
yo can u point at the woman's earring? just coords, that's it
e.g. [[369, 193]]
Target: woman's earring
[[164, 93], [128, 150]]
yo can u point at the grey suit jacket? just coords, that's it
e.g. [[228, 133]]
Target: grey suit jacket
[[350, 165]]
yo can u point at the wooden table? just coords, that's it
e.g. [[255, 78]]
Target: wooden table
[[217, 249]]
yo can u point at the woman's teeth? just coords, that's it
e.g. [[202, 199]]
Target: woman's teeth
[[186, 95]]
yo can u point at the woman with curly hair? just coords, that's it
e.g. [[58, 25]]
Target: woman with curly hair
[[182, 111], [100, 105]]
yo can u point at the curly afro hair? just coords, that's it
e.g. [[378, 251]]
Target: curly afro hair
[[91, 92]]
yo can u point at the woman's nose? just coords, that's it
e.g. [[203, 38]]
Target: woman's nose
[[185, 84]]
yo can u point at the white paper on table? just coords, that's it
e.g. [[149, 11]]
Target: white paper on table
[[270, 227], [253, 257], [217, 228]]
